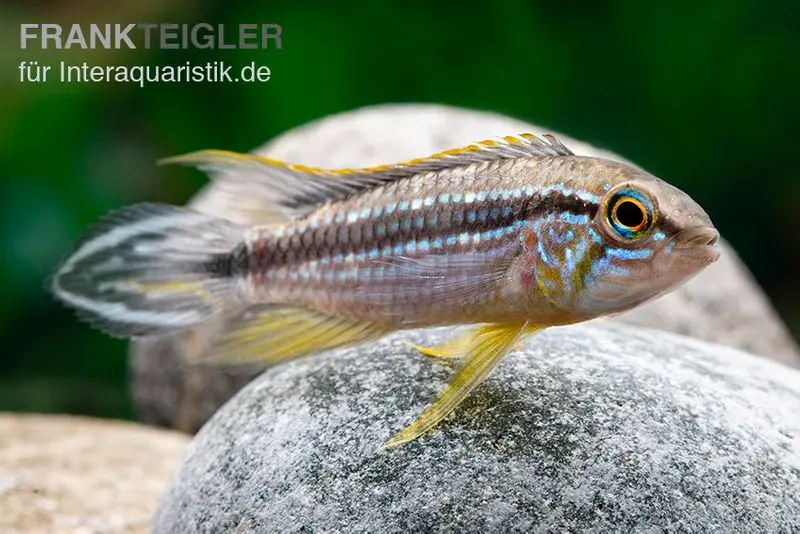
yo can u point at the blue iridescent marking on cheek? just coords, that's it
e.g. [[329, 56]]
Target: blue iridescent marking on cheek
[[616, 270], [626, 255], [595, 236], [574, 219], [658, 236]]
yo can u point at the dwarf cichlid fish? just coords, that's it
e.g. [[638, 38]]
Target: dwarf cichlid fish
[[512, 236]]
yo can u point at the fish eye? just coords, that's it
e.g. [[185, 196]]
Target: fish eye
[[629, 213]]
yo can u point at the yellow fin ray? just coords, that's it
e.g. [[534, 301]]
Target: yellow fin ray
[[454, 348], [487, 348], [278, 334], [289, 190]]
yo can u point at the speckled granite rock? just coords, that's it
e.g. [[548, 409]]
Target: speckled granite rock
[[70, 474], [590, 427], [723, 304]]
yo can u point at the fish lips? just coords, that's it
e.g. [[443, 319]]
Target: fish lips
[[699, 243]]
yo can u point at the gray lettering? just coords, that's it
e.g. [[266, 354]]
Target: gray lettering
[[207, 37], [96, 35], [122, 35], [25, 35], [147, 27], [75, 37], [271, 31], [221, 44], [167, 34], [244, 36], [51, 32]]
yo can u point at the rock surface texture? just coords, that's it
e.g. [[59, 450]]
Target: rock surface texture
[[76, 475], [723, 304], [593, 427]]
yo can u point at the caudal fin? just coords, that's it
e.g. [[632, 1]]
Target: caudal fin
[[150, 269]]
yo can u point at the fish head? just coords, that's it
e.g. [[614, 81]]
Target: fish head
[[641, 239]]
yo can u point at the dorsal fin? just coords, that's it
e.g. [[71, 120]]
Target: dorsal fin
[[293, 190]]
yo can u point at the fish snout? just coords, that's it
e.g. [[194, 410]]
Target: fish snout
[[698, 242]]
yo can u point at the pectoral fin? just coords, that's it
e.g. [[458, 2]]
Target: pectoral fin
[[486, 349]]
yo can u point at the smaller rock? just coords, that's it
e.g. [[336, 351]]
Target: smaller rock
[[71, 474]]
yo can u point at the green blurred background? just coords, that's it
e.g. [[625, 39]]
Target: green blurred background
[[704, 95]]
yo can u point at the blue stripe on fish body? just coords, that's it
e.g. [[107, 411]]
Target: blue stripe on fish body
[[627, 255]]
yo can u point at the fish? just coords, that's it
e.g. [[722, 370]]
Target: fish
[[505, 237]]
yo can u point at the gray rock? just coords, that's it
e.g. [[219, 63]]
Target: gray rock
[[591, 427], [723, 304]]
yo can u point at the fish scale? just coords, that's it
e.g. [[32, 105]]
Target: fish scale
[[512, 236]]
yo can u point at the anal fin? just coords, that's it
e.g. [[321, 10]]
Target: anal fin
[[486, 349], [269, 335]]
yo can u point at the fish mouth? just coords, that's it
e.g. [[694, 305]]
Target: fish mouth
[[700, 242]]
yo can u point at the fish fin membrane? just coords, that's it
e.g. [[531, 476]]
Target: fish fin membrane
[[268, 335], [293, 190], [448, 350], [149, 269], [488, 347], [452, 280]]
